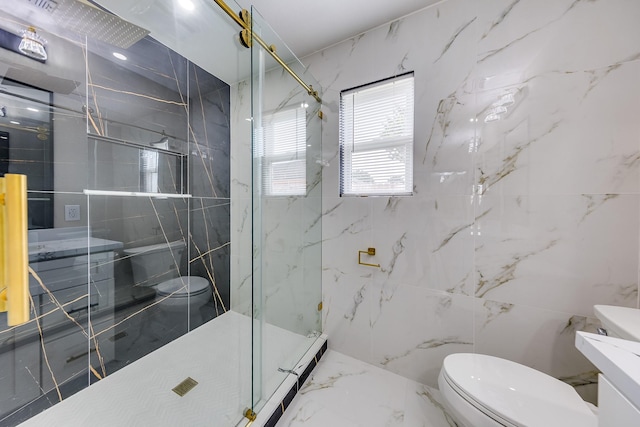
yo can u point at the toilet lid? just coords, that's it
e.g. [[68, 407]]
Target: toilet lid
[[514, 394], [178, 287]]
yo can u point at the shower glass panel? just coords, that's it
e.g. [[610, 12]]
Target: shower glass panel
[[287, 208], [107, 131], [43, 135], [154, 123], [159, 123], [130, 318]]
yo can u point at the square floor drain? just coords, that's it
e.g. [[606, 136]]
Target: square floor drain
[[185, 386]]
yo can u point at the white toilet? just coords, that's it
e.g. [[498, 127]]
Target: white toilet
[[156, 266], [486, 391]]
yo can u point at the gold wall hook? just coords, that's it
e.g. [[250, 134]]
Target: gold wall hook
[[370, 252]]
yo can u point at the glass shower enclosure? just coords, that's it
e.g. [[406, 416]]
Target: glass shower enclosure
[[174, 211], [287, 208]]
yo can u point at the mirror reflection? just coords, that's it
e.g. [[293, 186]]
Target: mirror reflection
[[26, 145]]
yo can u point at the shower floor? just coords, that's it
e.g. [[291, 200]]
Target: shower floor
[[217, 355]]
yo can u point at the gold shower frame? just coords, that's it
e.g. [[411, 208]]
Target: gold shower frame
[[247, 35]]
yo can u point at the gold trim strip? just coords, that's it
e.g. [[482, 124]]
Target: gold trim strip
[[269, 48]]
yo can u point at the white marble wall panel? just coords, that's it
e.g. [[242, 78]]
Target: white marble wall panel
[[426, 242], [347, 286], [241, 223], [564, 253], [561, 126], [537, 211], [442, 324], [290, 299], [531, 36]]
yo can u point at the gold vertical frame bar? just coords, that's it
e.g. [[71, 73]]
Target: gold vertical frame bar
[[16, 249], [3, 259]]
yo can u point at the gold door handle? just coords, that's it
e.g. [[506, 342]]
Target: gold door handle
[[370, 252], [14, 249]]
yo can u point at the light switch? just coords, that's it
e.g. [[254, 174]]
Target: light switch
[[72, 212]]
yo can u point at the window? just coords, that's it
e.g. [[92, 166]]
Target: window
[[149, 171], [376, 138], [149, 166], [284, 147]]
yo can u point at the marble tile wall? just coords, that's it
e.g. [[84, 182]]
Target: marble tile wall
[[517, 226]]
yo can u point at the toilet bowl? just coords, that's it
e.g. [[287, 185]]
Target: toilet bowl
[[156, 267], [486, 391], [173, 293]]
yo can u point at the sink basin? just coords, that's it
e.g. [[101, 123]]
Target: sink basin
[[620, 322]]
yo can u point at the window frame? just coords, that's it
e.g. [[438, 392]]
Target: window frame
[[297, 155], [406, 142]]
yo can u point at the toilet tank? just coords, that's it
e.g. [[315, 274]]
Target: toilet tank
[[154, 264]]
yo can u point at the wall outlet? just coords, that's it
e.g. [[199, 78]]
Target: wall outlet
[[72, 212]]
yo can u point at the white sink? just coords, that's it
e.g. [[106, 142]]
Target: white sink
[[619, 322]]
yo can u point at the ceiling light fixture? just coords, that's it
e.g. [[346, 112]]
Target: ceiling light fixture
[[32, 45], [120, 56], [507, 99], [187, 4], [14, 122], [35, 110]]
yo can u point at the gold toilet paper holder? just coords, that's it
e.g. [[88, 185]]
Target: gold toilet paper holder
[[370, 252]]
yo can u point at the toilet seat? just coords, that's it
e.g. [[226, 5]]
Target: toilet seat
[[177, 288], [514, 395]]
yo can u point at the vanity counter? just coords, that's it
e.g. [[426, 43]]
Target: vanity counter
[[618, 359], [54, 249]]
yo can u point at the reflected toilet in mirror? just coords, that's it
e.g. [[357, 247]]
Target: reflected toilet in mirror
[[155, 267]]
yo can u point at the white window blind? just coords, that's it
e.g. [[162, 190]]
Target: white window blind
[[149, 171], [149, 166], [284, 146], [376, 138]]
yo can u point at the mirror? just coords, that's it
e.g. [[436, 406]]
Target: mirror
[[26, 145]]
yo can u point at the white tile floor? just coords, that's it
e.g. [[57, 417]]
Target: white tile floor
[[345, 392]]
